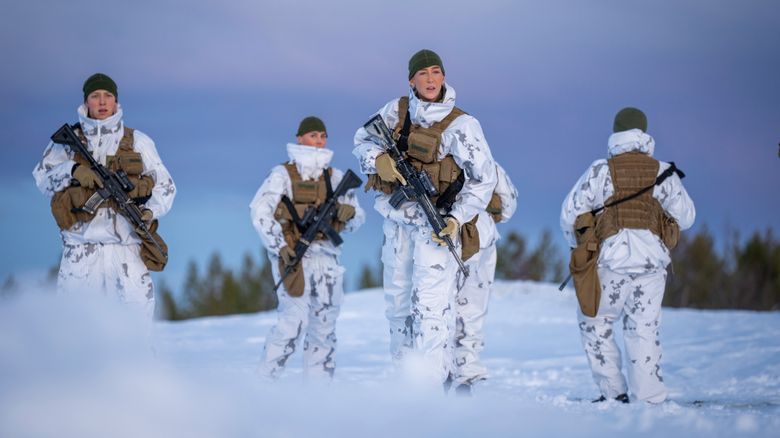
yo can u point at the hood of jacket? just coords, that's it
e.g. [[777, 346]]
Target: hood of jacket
[[426, 114], [309, 160], [630, 141], [103, 136]]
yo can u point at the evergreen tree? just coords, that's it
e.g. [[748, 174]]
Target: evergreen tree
[[369, 278], [510, 256]]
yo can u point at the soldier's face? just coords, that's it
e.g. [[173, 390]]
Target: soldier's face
[[427, 82], [317, 139], [101, 104]]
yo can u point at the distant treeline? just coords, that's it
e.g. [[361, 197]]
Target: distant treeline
[[741, 275], [218, 291]]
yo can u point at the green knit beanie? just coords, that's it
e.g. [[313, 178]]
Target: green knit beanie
[[310, 124], [630, 118], [422, 59], [99, 81]]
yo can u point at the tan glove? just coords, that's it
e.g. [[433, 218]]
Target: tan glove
[[147, 216], [345, 212], [287, 255], [386, 169], [451, 230], [86, 177]]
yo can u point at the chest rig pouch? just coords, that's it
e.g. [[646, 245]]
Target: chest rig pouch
[[67, 205], [306, 195]]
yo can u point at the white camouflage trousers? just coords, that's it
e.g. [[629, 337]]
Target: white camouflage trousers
[[110, 270], [419, 283], [637, 298], [471, 304], [310, 317]]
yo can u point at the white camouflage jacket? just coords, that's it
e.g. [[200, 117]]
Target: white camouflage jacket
[[463, 139], [629, 251], [507, 192], [53, 174], [310, 162]]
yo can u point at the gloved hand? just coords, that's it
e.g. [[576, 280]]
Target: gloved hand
[[147, 216], [86, 177], [287, 255], [451, 230], [345, 212], [386, 169]]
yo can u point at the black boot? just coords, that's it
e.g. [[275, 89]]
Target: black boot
[[463, 390], [622, 398]]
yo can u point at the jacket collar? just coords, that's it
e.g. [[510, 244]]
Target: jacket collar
[[309, 160], [426, 114], [629, 141]]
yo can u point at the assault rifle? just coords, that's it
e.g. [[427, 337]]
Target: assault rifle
[[419, 187], [317, 220], [116, 186]]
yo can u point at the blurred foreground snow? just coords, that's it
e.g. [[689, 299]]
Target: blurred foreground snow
[[92, 369]]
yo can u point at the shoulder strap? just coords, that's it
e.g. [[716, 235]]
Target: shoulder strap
[[446, 199], [292, 171], [328, 185], [403, 116], [658, 181], [128, 140]]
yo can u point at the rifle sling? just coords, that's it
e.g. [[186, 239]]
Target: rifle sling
[[293, 213], [403, 138], [447, 198]]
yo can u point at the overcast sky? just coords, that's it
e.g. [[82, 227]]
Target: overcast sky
[[221, 86]]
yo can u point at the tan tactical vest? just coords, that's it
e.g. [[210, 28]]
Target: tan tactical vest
[[64, 203], [423, 151], [631, 172], [305, 195]]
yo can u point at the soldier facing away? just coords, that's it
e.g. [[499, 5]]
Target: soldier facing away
[[420, 273], [631, 241], [102, 252], [310, 298]]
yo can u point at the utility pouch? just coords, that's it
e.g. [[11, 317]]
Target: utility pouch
[[66, 205], [150, 255], [583, 265], [305, 192], [130, 162], [142, 188], [495, 208], [670, 232], [294, 282], [469, 239], [448, 170], [423, 146]]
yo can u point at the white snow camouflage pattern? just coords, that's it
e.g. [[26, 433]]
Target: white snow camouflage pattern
[[471, 301], [419, 275], [631, 269], [310, 318], [102, 255]]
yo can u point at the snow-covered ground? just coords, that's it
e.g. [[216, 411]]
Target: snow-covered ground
[[86, 370]]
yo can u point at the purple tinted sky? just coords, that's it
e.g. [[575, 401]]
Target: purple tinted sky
[[220, 86]]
